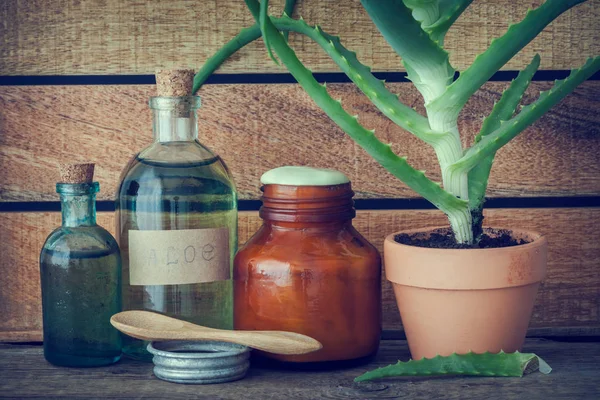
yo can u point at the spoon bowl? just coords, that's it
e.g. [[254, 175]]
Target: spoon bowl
[[152, 326]]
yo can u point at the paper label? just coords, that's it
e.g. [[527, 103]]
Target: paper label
[[179, 256]]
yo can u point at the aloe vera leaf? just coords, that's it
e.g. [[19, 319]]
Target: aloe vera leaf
[[507, 105], [437, 16], [486, 364], [456, 209], [246, 35], [428, 67], [288, 10], [426, 63], [490, 143], [426, 12], [503, 110], [450, 10], [501, 50], [262, 20], [387, 102]]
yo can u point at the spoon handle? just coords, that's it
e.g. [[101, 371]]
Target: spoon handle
[[148, 325], [277, 342]]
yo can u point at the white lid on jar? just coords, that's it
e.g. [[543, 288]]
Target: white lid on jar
[[303, 176]]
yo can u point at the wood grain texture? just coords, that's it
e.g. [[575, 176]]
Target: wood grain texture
[[575, 375], [259, 127], [71, 37], [568, 297]]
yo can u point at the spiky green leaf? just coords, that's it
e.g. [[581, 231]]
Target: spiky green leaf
[[246, 35], [503, 110], [437, 16], [426, 12], [427, 63], [501, 50], [375, 89], [507, 105], [288, 11], [365, 138], [486, 364], [386, 101], [490, 143], [264, 16]]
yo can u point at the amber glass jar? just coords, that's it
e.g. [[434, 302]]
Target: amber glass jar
[[307, 270]]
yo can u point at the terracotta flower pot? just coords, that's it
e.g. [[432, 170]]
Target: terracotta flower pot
[[465, 300]]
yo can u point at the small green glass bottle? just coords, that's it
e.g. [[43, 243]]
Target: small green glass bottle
[[80, 269]]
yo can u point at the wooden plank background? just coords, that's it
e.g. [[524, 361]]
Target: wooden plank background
[[259, 127], [255, 127], [568, 298], [40, 37]]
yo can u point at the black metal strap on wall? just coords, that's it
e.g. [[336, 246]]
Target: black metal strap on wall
[[360, 204], [247, 78], [284, 78]]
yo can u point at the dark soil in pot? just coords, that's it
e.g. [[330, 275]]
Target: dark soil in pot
[[444, 239]]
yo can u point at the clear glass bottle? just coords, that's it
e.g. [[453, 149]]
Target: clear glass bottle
[[176, 224], [80, 268]]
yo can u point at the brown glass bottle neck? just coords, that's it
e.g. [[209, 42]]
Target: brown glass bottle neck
[[307, 204]]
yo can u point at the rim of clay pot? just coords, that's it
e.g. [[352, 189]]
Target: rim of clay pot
[[466, 269]]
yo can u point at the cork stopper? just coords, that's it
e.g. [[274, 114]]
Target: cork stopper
[[76, 173], [174, 82]]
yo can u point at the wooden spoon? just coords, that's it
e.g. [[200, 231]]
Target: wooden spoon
[[148, 325]]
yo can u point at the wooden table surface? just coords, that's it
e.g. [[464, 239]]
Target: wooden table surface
[[576, 375]]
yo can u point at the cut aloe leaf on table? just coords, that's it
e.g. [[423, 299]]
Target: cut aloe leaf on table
[[486, 364]]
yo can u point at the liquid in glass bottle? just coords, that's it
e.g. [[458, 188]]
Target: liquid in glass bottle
[[80, 270], [176, 219]]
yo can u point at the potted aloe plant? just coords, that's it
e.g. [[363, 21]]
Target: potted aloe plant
[[464, 287]]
